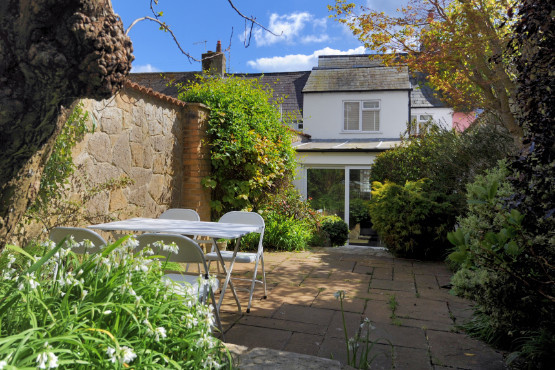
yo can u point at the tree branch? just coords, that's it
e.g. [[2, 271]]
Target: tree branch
[[165, 27]]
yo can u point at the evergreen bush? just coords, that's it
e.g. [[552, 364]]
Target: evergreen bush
[[412, 220]]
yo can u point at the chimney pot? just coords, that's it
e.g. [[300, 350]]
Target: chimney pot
[[219, 47]]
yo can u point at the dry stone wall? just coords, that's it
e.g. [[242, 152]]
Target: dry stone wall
[[157, 143]]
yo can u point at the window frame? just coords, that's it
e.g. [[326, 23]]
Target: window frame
[[361, 109]]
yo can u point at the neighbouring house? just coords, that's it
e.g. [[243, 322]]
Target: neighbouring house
[[347, 110]]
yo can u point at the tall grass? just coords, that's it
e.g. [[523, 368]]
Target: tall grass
[[112, 309]]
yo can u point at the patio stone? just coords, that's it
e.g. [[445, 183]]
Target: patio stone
[[462, 352], [254, 336], [304, 314], [308, 344], [423, 309], [411, 358], [350, 304], [399, 335], [378, 311], [406, 286], [383, 273], [352, 324], [293, 326]]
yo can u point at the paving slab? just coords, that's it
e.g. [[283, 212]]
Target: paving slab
[[302, 315], [460, 351]]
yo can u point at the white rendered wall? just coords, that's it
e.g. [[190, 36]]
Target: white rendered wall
[[441, 116], [329, 160], [323, 114]]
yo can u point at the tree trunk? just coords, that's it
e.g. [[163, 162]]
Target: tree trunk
[[52, 53]]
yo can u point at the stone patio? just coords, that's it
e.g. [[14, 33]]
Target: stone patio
[[407, 301]]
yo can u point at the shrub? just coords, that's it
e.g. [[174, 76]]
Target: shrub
[[448, 158], [500, 269], [106, 310], [411, 220], [359, 211], [336, 229], [251, 150]]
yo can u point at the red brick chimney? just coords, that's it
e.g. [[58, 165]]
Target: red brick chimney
[[214, 62]]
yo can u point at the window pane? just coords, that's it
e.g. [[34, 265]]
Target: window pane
[[425, 117], [370, 120], [371, 104], [326, 187], [351, 115]]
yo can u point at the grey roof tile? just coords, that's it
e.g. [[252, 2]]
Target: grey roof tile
[[358, 79]]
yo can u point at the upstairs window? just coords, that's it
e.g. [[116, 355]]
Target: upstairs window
[[361, 116]]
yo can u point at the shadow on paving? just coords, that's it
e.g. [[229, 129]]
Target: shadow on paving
[[414, 317]]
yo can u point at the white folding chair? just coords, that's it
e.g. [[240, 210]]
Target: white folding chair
[[180, 214], [189, 252], [246, 218], [79, 234]]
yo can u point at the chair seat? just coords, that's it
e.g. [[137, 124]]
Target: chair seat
[[242, 257], [193, 280]]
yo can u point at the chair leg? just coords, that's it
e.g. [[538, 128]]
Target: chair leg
[[217, 313], [252, 285], [263, 275]]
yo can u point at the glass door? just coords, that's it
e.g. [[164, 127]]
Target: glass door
[[360, 225], [326, 188]]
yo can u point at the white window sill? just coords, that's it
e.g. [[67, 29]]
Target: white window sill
[[361, 132]]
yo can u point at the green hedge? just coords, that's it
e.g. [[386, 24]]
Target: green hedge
[[411, 220]]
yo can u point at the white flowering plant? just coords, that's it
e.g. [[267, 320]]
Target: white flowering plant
[[108, 310]]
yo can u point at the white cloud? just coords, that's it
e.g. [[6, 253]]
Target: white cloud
[[144, 68], [289, 28], [298, 62]]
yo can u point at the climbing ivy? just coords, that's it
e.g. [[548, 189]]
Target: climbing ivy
[[60, 165], [251, 151]]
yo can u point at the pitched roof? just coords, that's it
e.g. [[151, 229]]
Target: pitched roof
[[358, 79], [286, 85], [422, 95]]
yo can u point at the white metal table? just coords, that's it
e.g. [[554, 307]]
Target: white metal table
[[214, 230]]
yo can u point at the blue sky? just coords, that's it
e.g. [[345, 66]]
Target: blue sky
[[198, 25]]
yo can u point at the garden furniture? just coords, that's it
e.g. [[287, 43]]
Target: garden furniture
[[214, 230], [247, 218]]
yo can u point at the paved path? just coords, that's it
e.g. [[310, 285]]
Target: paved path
[[407, 302]]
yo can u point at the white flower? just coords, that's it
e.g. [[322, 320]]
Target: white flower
[[340, 294], [84, 293], [52, 360], [107, 312], [128, 354], [3, 364], [112, 353], [131, 243], [160, 332], [47, 360]]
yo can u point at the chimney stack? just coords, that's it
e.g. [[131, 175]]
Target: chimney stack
[[214, 62]]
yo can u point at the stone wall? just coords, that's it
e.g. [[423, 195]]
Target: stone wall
[[155, 141]]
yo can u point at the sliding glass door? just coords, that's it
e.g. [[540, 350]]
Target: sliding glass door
[[326, 187]]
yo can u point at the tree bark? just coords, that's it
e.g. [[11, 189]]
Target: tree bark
[[52, 53]]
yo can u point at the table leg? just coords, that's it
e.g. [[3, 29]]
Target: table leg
[[228, 273]]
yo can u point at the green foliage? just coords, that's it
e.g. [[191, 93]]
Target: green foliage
[[448, 158], [110, 310], [290, 222], [60, 165], [251, 149], [501, 269], [359, 211], [412, 220], [337, 230]]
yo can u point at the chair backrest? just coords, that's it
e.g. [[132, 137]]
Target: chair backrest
[[241, 217], [246, 218], [79, 234], [189, 250], [180, 214]]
